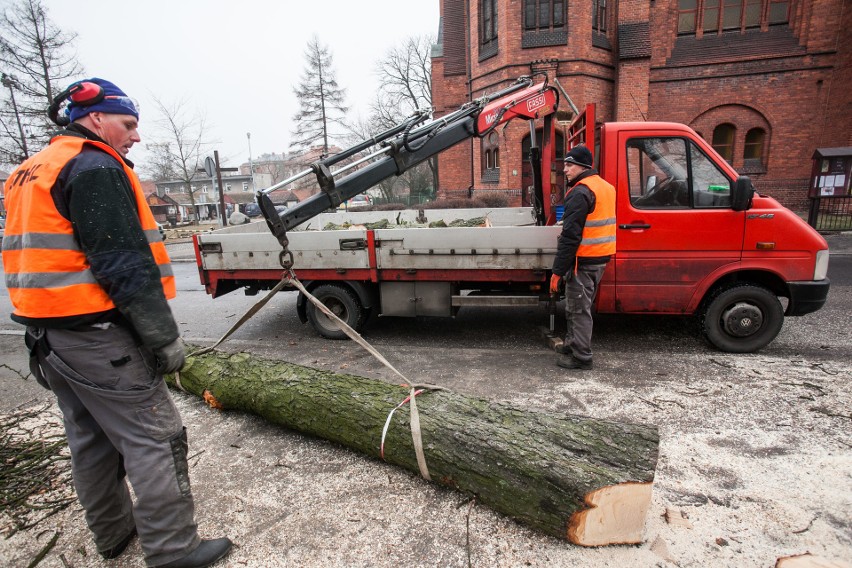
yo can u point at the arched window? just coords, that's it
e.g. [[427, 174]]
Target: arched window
[[753, 147], [723, 141], [490, 158]]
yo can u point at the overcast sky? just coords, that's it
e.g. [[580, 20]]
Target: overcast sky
[[238, 61]]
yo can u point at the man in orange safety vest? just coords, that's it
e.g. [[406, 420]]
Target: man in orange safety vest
[[585, 245], [88, 274]]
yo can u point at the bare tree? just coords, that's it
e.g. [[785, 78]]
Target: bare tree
[[36, 60], [272, 166], [159, 163], [361, 130], [321, 99], [405, 78], [405, 75], [179, 146]]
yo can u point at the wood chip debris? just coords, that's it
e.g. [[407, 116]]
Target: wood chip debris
[[677, 518]]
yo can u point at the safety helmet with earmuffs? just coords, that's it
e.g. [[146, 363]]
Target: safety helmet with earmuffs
[[89, 96]]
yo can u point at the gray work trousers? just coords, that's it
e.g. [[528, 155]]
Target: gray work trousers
[[119, 417], [580, 291]]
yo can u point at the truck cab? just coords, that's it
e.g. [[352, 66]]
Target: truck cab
[[694, 238]]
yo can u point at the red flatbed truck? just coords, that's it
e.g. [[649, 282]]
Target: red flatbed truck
[[693, 236]]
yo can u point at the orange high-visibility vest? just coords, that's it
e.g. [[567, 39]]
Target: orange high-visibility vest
[[599, 232], [47, 274]]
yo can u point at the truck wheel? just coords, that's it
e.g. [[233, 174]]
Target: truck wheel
[[742, 318], [343, 303]]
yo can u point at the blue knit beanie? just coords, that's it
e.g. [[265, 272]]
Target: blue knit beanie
[[115, 101]]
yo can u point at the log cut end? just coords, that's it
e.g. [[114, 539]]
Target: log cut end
[[616, 515], [808, 560]]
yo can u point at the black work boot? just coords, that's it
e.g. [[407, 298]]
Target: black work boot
[[571, 362], [208, 552], [115, 551]]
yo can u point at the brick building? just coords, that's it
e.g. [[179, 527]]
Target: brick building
[[766, 82]]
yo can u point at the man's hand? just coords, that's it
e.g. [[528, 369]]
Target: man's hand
[[170, 358], [555, 284]]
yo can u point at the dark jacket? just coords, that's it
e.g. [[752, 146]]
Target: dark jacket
[[579, 202], [93, 193]]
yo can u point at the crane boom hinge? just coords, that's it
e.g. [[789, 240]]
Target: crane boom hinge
[[325, 179]]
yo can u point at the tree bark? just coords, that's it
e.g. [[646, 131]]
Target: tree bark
[[581, 479]]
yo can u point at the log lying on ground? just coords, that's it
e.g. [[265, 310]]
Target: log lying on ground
[[582, 479]]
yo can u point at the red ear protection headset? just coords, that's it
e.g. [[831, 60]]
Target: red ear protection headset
[[84, 93]]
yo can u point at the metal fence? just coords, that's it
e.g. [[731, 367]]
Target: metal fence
[[831, 214]]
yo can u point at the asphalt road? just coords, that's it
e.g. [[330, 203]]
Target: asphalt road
[[482, 349]]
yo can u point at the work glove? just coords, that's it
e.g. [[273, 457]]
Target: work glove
[[170, 358], [555, 284]]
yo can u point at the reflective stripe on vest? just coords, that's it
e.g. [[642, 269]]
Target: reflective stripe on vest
[[599, 231], [47, 273]]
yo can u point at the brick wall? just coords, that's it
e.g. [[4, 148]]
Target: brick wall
[[792, 193], [836, 129], [792, 81]]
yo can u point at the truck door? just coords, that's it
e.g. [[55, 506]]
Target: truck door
[[675, 223]]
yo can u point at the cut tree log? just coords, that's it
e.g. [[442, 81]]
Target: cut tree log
[[577, 478], [809, 560]]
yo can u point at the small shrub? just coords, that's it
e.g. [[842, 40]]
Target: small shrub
[[391, 207], [458, 203], [494, 200]]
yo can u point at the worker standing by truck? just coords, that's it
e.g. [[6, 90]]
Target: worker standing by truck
[[585, 245], [89, 276]]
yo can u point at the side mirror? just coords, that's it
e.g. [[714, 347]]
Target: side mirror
[[743, 192]]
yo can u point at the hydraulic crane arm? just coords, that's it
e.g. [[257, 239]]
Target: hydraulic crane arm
[[403, 147]]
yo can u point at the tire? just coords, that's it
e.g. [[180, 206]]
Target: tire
[[345, 305], [742, 318]]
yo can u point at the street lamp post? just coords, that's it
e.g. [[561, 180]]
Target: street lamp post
[[251, 164]]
